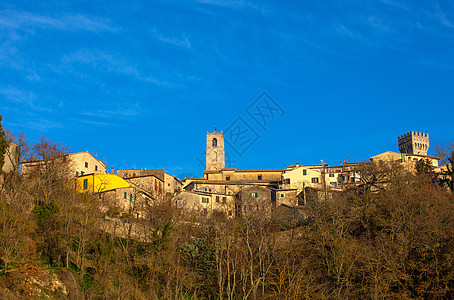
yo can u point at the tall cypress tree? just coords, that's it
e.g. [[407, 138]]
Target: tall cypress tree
[[3, 144]]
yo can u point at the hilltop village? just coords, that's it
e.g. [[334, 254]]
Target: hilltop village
[[72, 228], [225, 191]]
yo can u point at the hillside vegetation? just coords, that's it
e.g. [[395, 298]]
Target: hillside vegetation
[[394, 241]]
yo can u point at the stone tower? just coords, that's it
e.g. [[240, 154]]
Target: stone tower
[[414, 143], [215, 155]]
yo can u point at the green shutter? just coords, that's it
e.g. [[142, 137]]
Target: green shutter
[[85, 184], [124, 195], [130, 197]]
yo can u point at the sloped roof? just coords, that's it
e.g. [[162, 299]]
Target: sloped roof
[[99, 182]]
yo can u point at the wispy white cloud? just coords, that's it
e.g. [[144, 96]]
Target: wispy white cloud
[[119, 112], [180, 42], [91, 122], [36, 124], [442, 18], [230, 3], [378, 24], [18, 96], [108, 62], [343, 31], [12, 19]]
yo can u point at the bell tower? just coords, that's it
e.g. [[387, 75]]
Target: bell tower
[[215, 155]]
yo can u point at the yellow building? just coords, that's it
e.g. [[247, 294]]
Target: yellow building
[[115, 192], [98, 183]]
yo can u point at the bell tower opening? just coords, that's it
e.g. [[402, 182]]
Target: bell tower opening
[[215, 153]]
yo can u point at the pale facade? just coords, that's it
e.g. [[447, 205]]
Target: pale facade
[[246, 176], [150, 184], [206, 203], [11, 158], [80, 164], [85, 163], [215, 153], [167, 185], [414, 142], [287, 197], [314, 176], [172, 185], [408, 161]]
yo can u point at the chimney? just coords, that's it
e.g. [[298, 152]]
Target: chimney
[[297, 164], [112, 170]]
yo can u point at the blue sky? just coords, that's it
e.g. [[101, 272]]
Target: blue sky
[[140, 83]]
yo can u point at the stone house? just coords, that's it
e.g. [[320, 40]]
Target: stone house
[[167, 185], [80, 164], [115, 193], [206, 203]]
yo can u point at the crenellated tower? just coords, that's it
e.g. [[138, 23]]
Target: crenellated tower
[[414, 143]]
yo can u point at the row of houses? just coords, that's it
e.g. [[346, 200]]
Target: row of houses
[[233, 192], [124, 190], [228, 192]]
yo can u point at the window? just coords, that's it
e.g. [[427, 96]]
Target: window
[[168, 184], [259, 177], [287, 181], [85, 184], [217, 199], [206, 189], [282, 195], [77, 173], [254, 195], [353, 179], [124, 195], [86, 164], [130, 197], [81, 173], [230, 213], [333, 184], [227, 178], [304, 172], [314, 179], [205, 200], [331, 175], [224, 200], [215, 142], [96, 168]]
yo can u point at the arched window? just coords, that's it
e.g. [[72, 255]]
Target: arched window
[[214, 157], [215, 142]]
